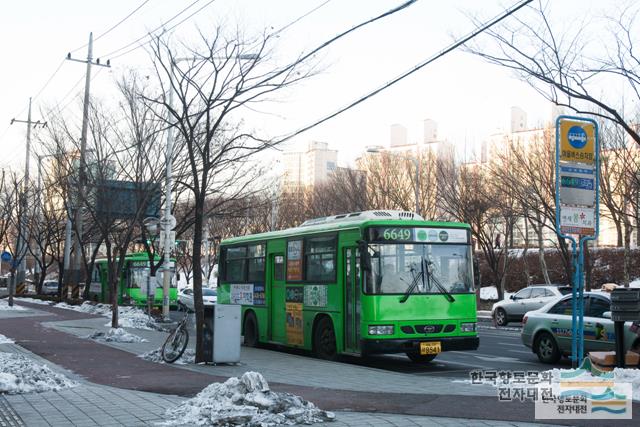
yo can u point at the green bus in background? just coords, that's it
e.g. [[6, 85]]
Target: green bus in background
[[362, 283], [132, 286]]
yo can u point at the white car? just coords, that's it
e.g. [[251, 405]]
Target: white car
[[527, 299], [185, 297], [50, 287]]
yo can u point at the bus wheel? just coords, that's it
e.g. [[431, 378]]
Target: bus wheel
[[250, 330], [324, 340], [420, 358]]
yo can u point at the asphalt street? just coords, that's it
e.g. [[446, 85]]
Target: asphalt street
[[500, 349]]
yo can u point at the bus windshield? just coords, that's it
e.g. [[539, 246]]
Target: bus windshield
[[408, 267]]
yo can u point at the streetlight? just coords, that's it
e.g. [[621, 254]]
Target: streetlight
[[416, 162], [168, 221]]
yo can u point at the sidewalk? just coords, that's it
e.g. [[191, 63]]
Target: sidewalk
[[114, 375]]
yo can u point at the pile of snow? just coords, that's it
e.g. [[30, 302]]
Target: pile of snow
[[635, 283], [116, 335], [4, 305], [245, 401], [19, 374], [491, 293], [35, 301], [5, 340], [128, 317], [188, 357]]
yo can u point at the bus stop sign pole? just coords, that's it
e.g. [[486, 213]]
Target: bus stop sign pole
[[577, 197]]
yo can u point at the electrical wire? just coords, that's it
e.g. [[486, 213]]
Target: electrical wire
[[113, 27], [419, 66], [49, 80], [110, 55], [295, 21]]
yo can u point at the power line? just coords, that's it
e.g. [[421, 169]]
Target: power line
[[165, 30], [411, 71], [114, 26], [110, 54], [295, 21], [49, 80]]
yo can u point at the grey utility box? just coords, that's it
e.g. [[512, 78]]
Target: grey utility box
[[221, 338], [625, 304]]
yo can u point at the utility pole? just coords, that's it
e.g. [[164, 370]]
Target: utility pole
[[73, 278], [22, 244]]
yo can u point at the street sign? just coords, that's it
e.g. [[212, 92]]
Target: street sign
[[577, 141], [168, 223], [577, 179], [6, 256], [577, 220], [172, 239], [577, 184]]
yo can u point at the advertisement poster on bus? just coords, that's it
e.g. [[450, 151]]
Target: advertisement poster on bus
[[295, 334], [294, 260], [242, 294]]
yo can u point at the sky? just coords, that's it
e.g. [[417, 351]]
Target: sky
[[468, 98]]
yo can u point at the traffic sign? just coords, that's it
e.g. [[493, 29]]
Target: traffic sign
[[577, 141], [168, 222], [6, 256]]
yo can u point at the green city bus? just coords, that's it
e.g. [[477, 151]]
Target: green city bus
[[133, 282], [363, 283]]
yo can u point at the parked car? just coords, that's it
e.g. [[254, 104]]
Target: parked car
[[547, 331], [50, 287], [527, 299], [185, 297]]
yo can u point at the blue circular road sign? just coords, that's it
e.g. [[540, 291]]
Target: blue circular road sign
[[6, 256], [577, 137]]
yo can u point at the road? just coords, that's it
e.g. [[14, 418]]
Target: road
[[500, 349]]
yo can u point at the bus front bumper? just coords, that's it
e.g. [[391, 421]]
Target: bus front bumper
[[382, 346]]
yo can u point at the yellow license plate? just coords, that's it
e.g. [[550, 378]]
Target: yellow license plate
[[432, 347]]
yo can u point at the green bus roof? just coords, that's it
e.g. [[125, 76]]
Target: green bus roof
[[352, 223]]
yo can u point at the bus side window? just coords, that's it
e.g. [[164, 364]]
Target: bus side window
[[278, 268]]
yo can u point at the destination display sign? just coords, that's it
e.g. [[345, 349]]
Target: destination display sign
[[577, 184], [418, 234]]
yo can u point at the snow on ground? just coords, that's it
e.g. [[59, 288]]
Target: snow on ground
[[635, 283], [128, 317], [19, 374], [5, 340], [245, 401], [491, 293], [116, 335], [4, 305], [188, 357], [35, 301]]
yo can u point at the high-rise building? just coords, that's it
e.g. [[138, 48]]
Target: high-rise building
[[518, 119], [398, 135], [310, 167]]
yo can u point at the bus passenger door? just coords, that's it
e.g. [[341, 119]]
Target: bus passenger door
[[352, 300], [277, 309]]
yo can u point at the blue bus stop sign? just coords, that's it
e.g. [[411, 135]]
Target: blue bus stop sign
[[6, 256]]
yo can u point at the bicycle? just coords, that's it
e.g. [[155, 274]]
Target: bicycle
[[176, 342]]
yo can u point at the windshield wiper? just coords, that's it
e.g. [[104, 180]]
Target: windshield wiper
[[412, 286], [431, 277]]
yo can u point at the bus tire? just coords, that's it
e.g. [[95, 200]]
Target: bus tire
[[324, 340], [420, 358], [250, 330]]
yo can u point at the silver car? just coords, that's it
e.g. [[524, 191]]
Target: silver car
[[547, 331], [527, 299]]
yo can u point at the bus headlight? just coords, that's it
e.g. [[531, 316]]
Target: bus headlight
[[468, 327], [381, 330]]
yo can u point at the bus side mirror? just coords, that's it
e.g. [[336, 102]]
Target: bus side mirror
[[365, 256], [476, 272]]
